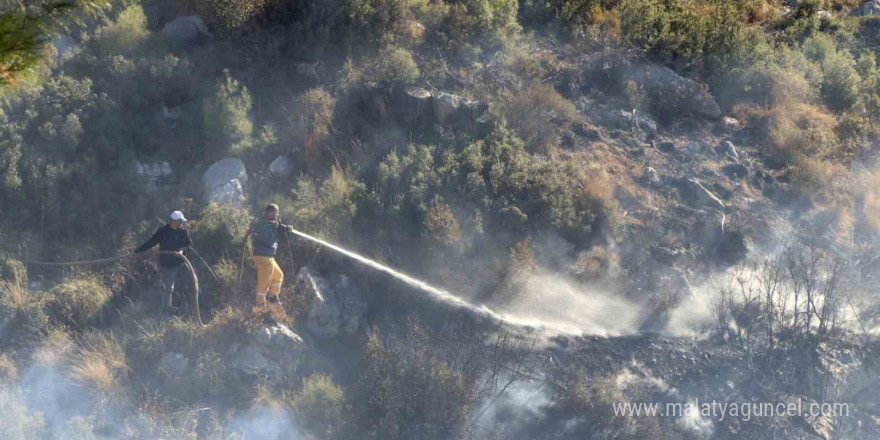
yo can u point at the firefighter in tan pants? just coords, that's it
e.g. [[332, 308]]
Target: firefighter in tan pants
[[264, 239]]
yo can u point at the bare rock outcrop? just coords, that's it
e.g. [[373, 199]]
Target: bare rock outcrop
[[671, 92], [224, 182], [336, 307]]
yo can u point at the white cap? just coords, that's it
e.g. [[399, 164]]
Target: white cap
[[177, 215]]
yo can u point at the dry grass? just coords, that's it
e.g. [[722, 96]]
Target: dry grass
[[54, 348], [265, 398], [8, 370], [799, 129], [100, 364], [79, 301], [598, 262], [539, 114]]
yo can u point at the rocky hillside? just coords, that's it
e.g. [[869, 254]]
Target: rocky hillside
[[656, 201]]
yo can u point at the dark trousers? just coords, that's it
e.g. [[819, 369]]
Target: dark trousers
[[168, 276]]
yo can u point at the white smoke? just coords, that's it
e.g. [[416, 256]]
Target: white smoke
[[559, 304]]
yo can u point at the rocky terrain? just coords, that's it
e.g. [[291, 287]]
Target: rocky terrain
[[601, 202]]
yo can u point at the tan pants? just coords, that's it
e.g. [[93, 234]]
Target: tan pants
[[269, 278]]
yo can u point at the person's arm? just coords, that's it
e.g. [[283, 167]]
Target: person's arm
[[285, 228], [189, 243], [154, 240]]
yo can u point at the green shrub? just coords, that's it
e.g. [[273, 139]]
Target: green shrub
[[442, 227], [220, 231], [320, 406], [397, 65], [127, 33], [328, 210], [312, 123], [78, 301], [228, 126]]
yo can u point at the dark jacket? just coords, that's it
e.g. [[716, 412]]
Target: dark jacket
[[169, 240], [265, 237]]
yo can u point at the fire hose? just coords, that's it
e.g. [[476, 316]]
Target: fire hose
[[196, 312]]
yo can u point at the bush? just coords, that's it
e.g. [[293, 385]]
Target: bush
[[127, 33], [442, 227], [326, 211], [407, 390], [228, 126], [801, 130], [397, 65], [320, 406], [219, 231], [312, 124], [841, 83], [539, 115], [79, 301]]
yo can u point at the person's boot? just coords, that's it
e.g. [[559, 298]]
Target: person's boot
[[274, 299]]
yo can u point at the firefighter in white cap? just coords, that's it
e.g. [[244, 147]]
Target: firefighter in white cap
[[171, 237]]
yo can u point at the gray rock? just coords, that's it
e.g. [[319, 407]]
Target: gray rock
[[870, 8], [693, 148], [224, 182], [446, 107], [728, 149], [250, 362], [187, 29], [270, 354], [670, 91], [731, 123], [650, 177], [626, 120], [173, 364], [170, 116], [703, 195], [281, 166], [416, 106], [336, 308], [153, 172]]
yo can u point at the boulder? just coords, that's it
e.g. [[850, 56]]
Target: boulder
[[336, 307], [699, 193], [224, 182], [731, 124], [170, 116], [869, 8], [650, 177], [671, 93], [416, 106], [269, 354], [693, 148], [626, 120], [446, 107], [153, 172], [187, 29], [728, 149], [281, 166]]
